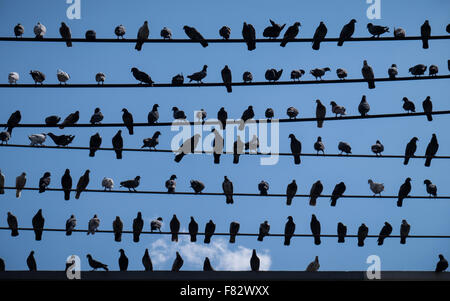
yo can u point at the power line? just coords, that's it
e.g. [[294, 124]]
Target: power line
[[237, 121], [234, 194], [267, 83]]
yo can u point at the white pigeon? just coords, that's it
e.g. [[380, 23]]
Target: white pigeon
[[93, 225], [313, 266], [39, 30], [336, 109], [13, 77], [108, 183], [37, 139], [376, 188], [20, 183], [62, 76]]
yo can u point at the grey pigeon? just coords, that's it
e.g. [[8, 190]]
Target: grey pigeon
[[346, 32], [225, 32], [418, 70], [37, 76], [217, 144], [368, 75], [289, 230], [93, 225], [82, 183], [319, 72], [91, 35], [363, 231], [38, 224], [336, 109], [433, 70], [65, 33], [273, 74], [171, 184], [442, 264], [177, 263], [66, 184], [44, 182], [290, 33], [147, 262], [13, 224], [194, 35], [142, 35], [198, 76], [296, 148], [70, 225], [315, 229], [254, 261], [431, 188], [296, 74], [37, 139], [238, 149], [314, 193], [247, 77], [319, 146], [427, 106], [31, 262], [425, 32], [138, 225], [377, 30], [108, 183], [319, 35], [314, 265], [94, 144], [156, 224], [52, 120], [187, 147], [263, 187], [120, 31], [117, 142], [193, 229], [197, 186], [431, 150], [152, 142], [141, 76], [174, 228], [226, 77], [166, 33], [292, 112], [13, 77], [264, 229], [338, 191], [97, 117], [123, 261], [207, 265], [4, 137], [341, 73], [94, 264], [291, 190], [39, 30], [127, 118], [273, 31], [249, 35], [222, 116], [153, 115], [393, 71], [234, 229], [385, 232], [117, 228], [399, 33], [253, 144], [404, 231], [363, 106], [377, 148], [71, 119], [342, 232], [210, 227], [19, 30], [131, 184], [20, 183], [321, 111], [227, 187], [344, 147], [410, 149], [269, 114], [403, 192]]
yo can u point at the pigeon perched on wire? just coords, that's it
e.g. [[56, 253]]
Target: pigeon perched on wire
[[427, 106], [319, 35], [117, 142], [142, 35], [127, 118], [342, 232], [31, 262], [246, 115], [19, 30], [273, 31], [141, 76], [177, 263], [65, 33], [66, 184], [377, 148], [156, 224], [247, 77], [13, 224], [296, 74], [290, 33], [97, 117], [442, 264], [269, 113], [431, 188], [120, 31], [117, 228], [252, 145], [52, 120], [225, 32], [376, 30], [234, 229], [193, 229], [44, 182], [82, 183], [37, 76], [207, 265], [238, 149], [377, 188], [71, 119], [393, 71], [292, 113], [363, 231], [2, 183], [344, 147], [4, 137], [222, 116], [37, 139], [20, 183], [264, 229], [410, 150], [296, 148], [227, 187], [315, 229], [433, 70], [319, 72], [425, 32], [367, 73], [166, 33], [418, 70], [289, 230], [404, 191], [263, 187], [70, 225], [131, 184], [341, 73], [13, 121], [254, 261], [171, 184], [13, 78], [314, 193], [198, 76], [152, 142], [291, 190], [91, 35], [431, 150], [94, 144], [226, 78], [385, 232], [404, 231], [273, 74], [408, 105], [188, 147], [338, 191], [314, 265], [336, 109], [249, 36], [321, 111], [210, 227], [319, 146], [363, 107], [346, 32], [174, 228], [217, 144], [123, 261], [38, 222], [197, 186], [399, 33], [94, 264], [138, 225], [62, 76], [194, 35], [93, 224], [153, 115]]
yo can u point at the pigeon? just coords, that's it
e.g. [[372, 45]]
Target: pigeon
[[12, 224], [404, 231], [431, 150], [418, 70], [193, 229], [91, 35], [197, 186], [403, 192], [20, 183], [65, 33], [207, 265], [131, 184], [368, 75], [37, 76], [142, 35], [19, 30], [385, 232], [94, 264], [291, 190], [252, 145], [153, 115], [100, 78], [292, 113], [127, 118], [319, 72], [313, 266], [319, 36], [210, 227], [296, 74], [247, 77], [2, 183], [97, 117], [263, 187], [393, 71], [71, 119], [346, 32], [321, 111], [222, 116], [70, 225], [314, 193], [82, 183], [273, 31], [410, 150], [408, 105], [289, 230], [376, 30], [31, 262], [177, 263], [341, 73], [431, 188], [52, 120], [138, 225], [290, 34], [117, 142], [62, 76], [147, 262], [44, 182], [296, 148], [269, 114], [254, 261], [234, 229], [427, 106], [120, 31], [117, 228], [342, 231], [38, 224], [4, 137], [2, 265], [442, 264], [433, 70], [399, 33], [425, 32], [194, 35], [156, 224], [344, 147], [338, 191], [336, 109], [225, 32], [13, 121], [315, 229], [123, 261], [264, 229], [171, 184], [152, 142], [201, 115], [141, 76], [226, 78], [174, 228], [166, 33], [249, 35], [376, 188], [93, 224], [319, 146], [13, 77], [377, 148], [66, 184], [448, 28], [273, 74], [94, 144], [363, 231], [227, 187], [238, 149], [217, 146], [246, 115], [198, 76], [363, 107], [187, 147], [37, 139]]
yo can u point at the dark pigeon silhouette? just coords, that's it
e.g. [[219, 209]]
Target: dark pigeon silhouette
[[178, 263], [123, 261], [234, 229], [425, 32], [404, 231], [52, 120], [442, 264], [319, 35], [296, 148], [197, 186], [198, 76], [315, 229], [91, 35], [368, 75], [71, 119], [138, 225], [385, 232], [290, 33], [38, 224], [338, 191], [254, 261], [431, 188], [296, 74], [117, 228], [269, 113], [194, 35], [321, 111], [187, 147], [174, 228], [393, 71], [210, 228], [408, 105], [153, 115], [193, 229], [403, 192], [65, 33], [13, 121], [13, 224], [273, 74], [19, 30], [418, 70], [319, 146], [142, 35], [166, 33], [263, 187], [147, 262], [156, 224], [44, 182], [66, 184], [431, 150], [62, 140], [247, 77], [37, 76], [131, 184], [178, 79], [94, 264], [225, 32], [31, 262], [363, 231], [222, 116], [264, 229], [151, 142], [342, 232], [227, 187], [207, 265], [178, 114], [117, 142], [376, 30], [97, 117], [141, 76], [246, 115], [319, 72], [226, 78], [291, 190], [238, 149], [344, 147], [128, 120], [314, 193], [249, 36], [94, 144], [346, 32], [363, 107], [82, 183], [289, 230], [273, 31], [171, 184], [410, 150]]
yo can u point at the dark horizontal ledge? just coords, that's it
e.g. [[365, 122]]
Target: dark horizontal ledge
[[267, 83]]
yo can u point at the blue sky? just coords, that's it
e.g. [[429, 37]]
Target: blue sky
[[162, 61]]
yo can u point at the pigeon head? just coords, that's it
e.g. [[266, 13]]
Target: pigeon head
[[172, 177], [185, 27], [124, 110], [405, 99], [97, 110], [394, 65], [434, 135], [441, 256], [254, 252], [404, 221], [174, 109], [225, 178], [427, 182], [47, 174], [352, 21], [121, 251], [145, 22], [67, 171], [192, 218], [89, 256], [426, 22], [370, 181], [32, 253], [206, 67], [326, 69], [134, 69], [289, 218], [365, 63], [291, 136], [332, 103], [408, 180], [95, 215], [87, 172], [318, 101], [369, 25], [378, 142], [137, 178], [319, 138], [63, 24], [415, 139]]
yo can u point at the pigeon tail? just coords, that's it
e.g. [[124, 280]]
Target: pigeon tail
[[229, 90], [428, 161], [403, 240], [297, 159], [333, 201], [341, 239], [317, 240], [316, 45], [138, 46], [66, 195], [232, 239], [179, 157], [289, 201], [14, 232], [77, 196], [319, 123], [229, 199], [38, 235], [136, 237], [68, 43], [175, 237], [425, 44], [207, 239], [340, 42], [429, 117], [380, 241], [117, 237], [193, 238], [371, 84], [18, 192], [92, 153], [260, 237], [287, 241], [360, 243], [405, 162], [400, 202], [118, 154], [312, 201], [235, 159], [204, 43], [216, 158]]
